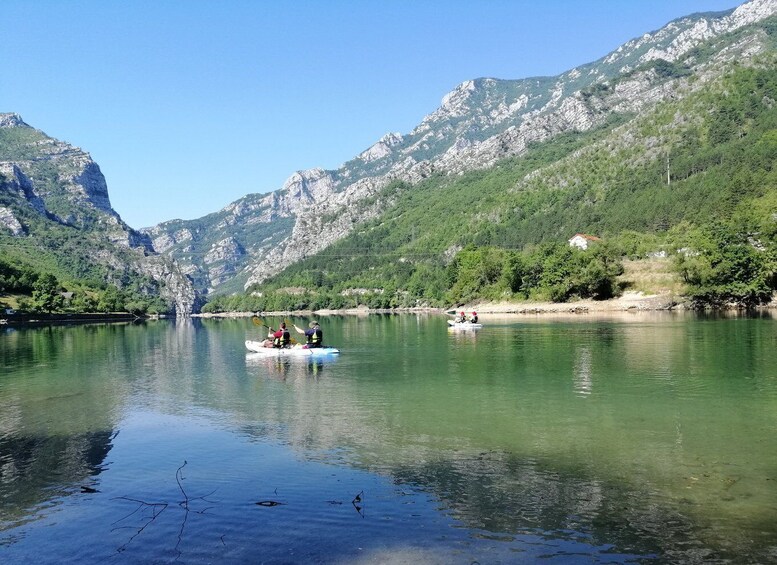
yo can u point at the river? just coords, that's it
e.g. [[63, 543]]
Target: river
[[645, 438]]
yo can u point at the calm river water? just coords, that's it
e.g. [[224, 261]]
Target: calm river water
[[643, 438]]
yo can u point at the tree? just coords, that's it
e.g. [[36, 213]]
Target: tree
[[725, 265], [478, 270], [599, 270], [46, 294], [513, 272], [110, 300]]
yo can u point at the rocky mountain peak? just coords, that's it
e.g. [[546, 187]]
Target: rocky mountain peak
[[677, 38], [78, 186], [478, 123], [47, 182], [455, 102], [382, 148], [751, 12], [11, 120], [309, 186]]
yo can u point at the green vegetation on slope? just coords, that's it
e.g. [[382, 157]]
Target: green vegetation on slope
[[53, 258], [697, 175], [28, 289]]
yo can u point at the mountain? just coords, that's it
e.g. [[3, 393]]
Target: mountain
[[56, 215], [478, 125], [506, 158]]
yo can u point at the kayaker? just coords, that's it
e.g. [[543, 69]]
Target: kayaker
[[474, 318], [462, 317], [281, 338], [268, 341], [314, 335]]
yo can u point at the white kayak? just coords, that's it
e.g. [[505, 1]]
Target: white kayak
[[296, 351], [454, 325]]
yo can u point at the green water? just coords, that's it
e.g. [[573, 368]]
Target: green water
[[646, 438]]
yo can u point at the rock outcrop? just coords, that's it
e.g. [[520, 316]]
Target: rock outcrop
[[478, 123], [50, 181]]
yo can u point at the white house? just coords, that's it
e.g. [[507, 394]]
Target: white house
[[582, 240]]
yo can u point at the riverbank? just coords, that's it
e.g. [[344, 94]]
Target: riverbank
[[627, 302], [630, 301]]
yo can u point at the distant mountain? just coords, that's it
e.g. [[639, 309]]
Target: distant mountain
[[479, 124], [55, 214], [519, 137]]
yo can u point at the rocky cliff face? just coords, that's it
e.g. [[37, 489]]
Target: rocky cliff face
[[76, 178], [44, 181], [480, 122]]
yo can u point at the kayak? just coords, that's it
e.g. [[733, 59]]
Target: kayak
[[463, 325], [296, 351]]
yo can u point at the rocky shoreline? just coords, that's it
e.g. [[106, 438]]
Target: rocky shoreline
[[628, 302]]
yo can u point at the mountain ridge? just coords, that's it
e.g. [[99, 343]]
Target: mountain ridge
[[54, 197], [478, 123]]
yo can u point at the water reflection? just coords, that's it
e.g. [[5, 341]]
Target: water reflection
[[645, 437], [583, 376], [287, 367], [459, 337], [37, 469], [59, 413]]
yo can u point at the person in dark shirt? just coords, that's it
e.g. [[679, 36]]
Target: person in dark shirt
[[313, 335]]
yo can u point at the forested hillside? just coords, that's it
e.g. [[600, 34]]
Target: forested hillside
[[55, 271], [62, 246], [664, 147], [694, 178], [478, 124]]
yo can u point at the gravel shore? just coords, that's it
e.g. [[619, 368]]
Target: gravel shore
[[628, 302]]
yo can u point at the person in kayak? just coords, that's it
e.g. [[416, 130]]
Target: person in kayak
[[281, 338], [278, 339], [314, 335], [473, 318], [462, 317]]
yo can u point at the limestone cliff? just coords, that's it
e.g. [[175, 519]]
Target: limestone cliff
[[45, 182], [477, 124]]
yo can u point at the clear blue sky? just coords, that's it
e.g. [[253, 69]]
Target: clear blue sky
[[189, 105]]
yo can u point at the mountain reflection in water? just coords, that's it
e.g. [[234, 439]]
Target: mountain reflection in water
[[581, 438]]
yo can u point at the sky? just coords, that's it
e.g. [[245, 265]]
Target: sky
[[189, 105]]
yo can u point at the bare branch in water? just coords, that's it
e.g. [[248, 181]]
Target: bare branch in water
[[156, 509], [357, 503], [185, 502], [178, 479]]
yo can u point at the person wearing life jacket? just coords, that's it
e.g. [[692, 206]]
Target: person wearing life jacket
[[460, 318], [314, 335], [281, 338], [473, 318]]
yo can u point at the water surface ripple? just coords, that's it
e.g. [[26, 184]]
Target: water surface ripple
[[642, 438]]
